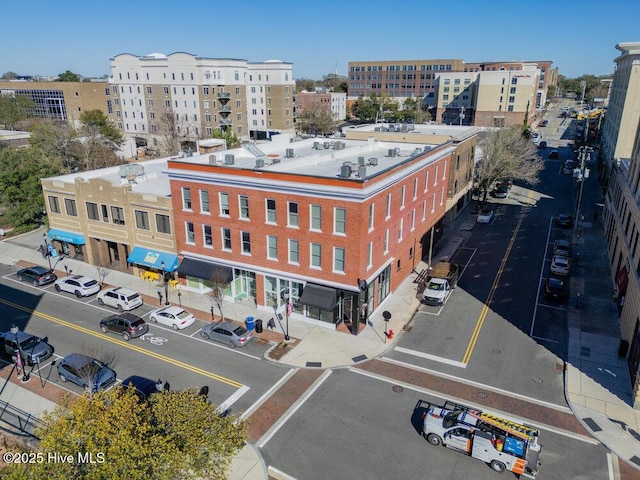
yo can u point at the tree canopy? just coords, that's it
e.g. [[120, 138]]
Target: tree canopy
[[68, 76], [507, 154], [316, 120], [176, 434], [13, 109]]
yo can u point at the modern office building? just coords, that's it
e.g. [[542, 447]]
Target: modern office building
[[180, 94], [64, 101]]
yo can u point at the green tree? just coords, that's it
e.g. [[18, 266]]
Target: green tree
[[335, 83], [56, 141], [507, 153], [14, 108], [229, 136], [20, 189], [106, 128], [305, 84], [68, 76], [174, 435], [367, 109], [316, 120]]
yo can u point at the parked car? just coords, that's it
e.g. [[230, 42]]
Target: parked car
[[230, 333], [86, 372], [485, 216], [172, 316], [120, 298], [560, 265], [553, 154], [542, 144], [501, 191], [79, 285], [562, 248], [144, 387], [126, 324], [544, 123], [33, 349], [37, 275], [555, 288], [564, 220]]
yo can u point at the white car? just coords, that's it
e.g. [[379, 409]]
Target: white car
[[560, 265], [120, 298], [485, 216], [172, 316], [79, 285]]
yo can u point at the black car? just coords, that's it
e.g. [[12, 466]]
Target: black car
[[564, 220], [555, 289], [144, 387], [37, 275], [126, 324]]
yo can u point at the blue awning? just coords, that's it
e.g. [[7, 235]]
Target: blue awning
[[69, 237], [153, 259]]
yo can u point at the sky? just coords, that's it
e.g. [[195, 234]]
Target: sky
[[44, 37]]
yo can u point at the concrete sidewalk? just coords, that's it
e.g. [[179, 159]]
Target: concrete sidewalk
[[596, 381]]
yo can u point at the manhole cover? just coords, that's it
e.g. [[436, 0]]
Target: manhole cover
[[482, 394], [536, 380], [397, 389], [496, 351]]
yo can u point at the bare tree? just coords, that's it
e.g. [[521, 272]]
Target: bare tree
[[507, 153], [219, 278], [103, 272], [174, 132], [88, 372]]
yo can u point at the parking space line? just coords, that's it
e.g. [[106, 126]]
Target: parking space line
[[542, 339], [258, 403], [540, 277], [428, 356], [554, 307]]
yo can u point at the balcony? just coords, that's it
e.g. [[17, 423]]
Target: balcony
[[224, 97], [226, 122], [226, 109]]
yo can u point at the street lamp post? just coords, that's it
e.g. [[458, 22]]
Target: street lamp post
[[166, 285], [287, 310]]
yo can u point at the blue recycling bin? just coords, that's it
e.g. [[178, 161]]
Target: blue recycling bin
[[250, 323]]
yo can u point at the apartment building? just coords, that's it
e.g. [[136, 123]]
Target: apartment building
[[63, 101], [330, 227], [194, 96], [333, 102]]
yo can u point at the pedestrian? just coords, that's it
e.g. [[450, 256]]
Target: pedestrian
[[160, 296], [42, 250], [166, 387], [204, 391]]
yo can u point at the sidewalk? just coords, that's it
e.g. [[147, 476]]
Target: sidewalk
[[596, 383]]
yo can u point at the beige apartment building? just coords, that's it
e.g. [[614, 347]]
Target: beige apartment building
[[195, 96], [64, 101]]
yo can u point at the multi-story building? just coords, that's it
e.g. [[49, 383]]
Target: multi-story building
[[156, 95], [64, 101], [333, 102]]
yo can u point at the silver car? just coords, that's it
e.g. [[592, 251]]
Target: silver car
[[33, 349], [84, 371], [230, 333]]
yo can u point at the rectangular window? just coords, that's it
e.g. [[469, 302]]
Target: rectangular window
[[424, 210], [294, 252], [204, 201], [163, 223], [415, 188], [186, 198], [226, 239], [316, 255], [271, 210], [190, 232], [388, 206], [224, 204], [244, 206], [293, 214], [272, 247], [207, 235], [371, 212], [117, 215], [246, 243], [92, 211], [70, 207], [142, 219], [404, 189], [400, 228], [316, 217], [370, 255], [386, 241], [338, 259], [105, 213], [413, 219], [339, 220], [426, 180]]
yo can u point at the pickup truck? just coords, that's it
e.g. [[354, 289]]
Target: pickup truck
[[441, 279]]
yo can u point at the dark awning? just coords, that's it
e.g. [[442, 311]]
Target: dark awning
[[205, 270], [318, 296]]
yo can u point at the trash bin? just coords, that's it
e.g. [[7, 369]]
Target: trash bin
[[249, 323], [258, 325]]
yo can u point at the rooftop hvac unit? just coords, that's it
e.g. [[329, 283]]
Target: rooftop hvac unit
[[404, 128], [275, 160], [373, 161], [212, 160], [426, 148], [392, 128], [384, 129], [316, 145], [338, 145], [288, 153], [229, 159], [397, 151], [362, 171], [345, 170], [346, 164], [259, 162], [391, 153], [411, 126], [377, 129], [327, 145], [360, 161], [417, 151], [131, 169]]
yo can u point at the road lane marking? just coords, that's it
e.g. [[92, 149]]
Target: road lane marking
[[428, 356], [544, 261], [130, 346], [529, 422], [249, 411], [293, 409], [494, 287], [233, 399]]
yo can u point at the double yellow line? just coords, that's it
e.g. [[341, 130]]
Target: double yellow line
[[494, 287], [130, 346]]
